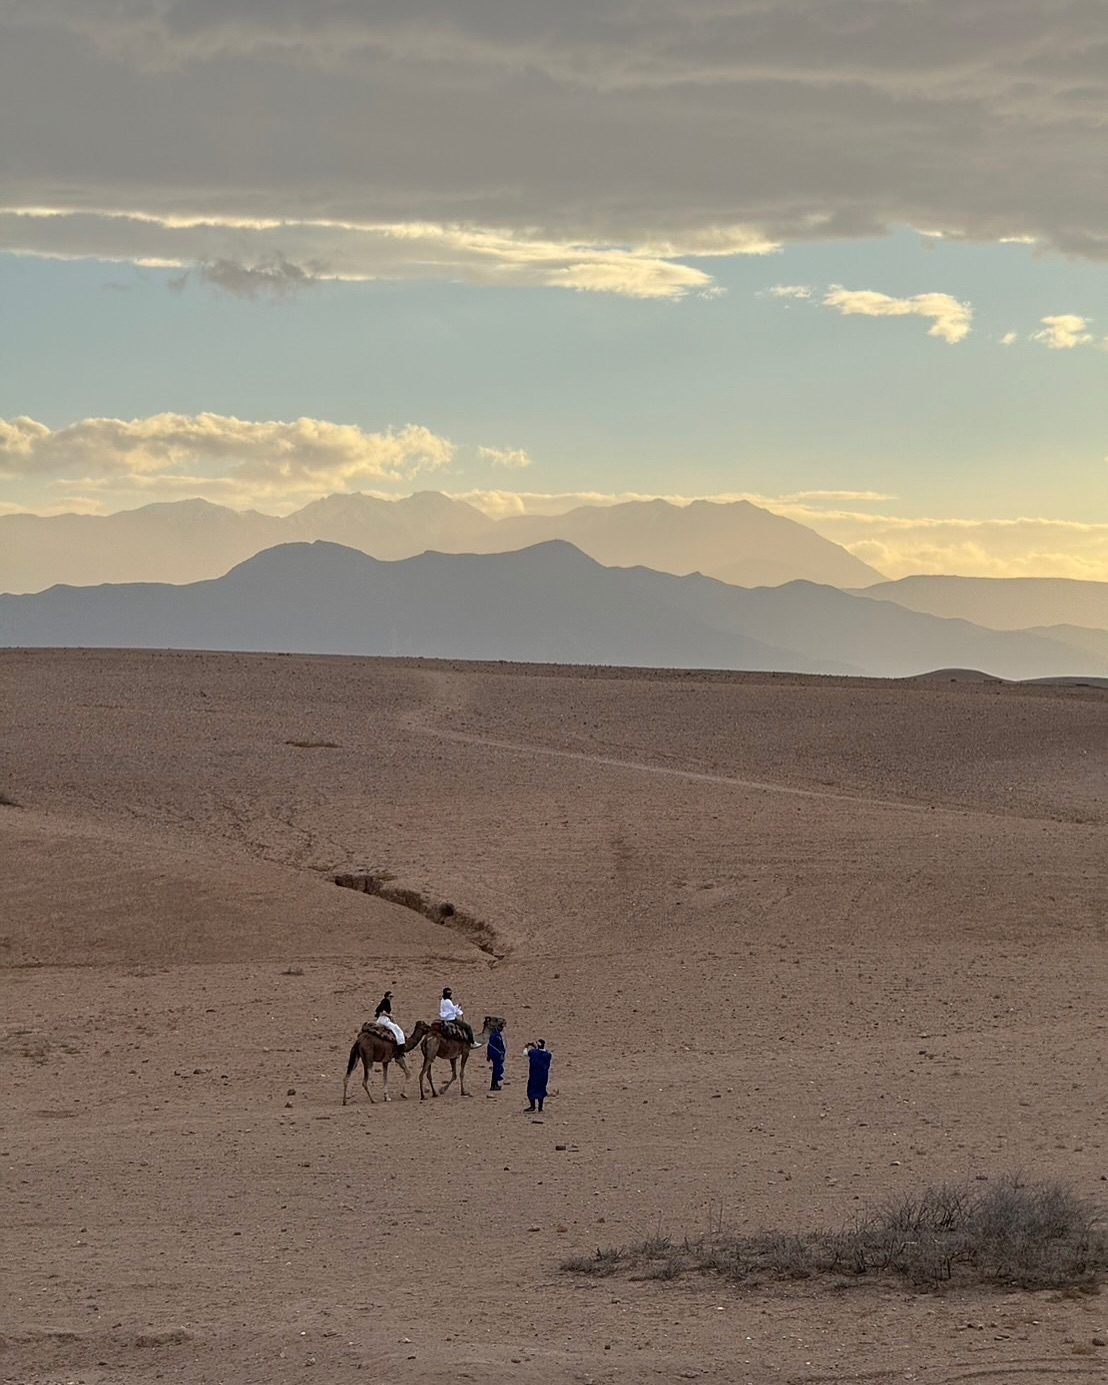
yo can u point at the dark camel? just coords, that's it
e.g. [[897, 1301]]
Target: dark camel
[[371, 1046], [437, 1045]]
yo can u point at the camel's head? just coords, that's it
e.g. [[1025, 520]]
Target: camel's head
[[494, 1023]]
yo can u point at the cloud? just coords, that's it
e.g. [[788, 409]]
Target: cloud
[[950, 320], [1024, 547], [789, 291], [1063, 332], [640, 135], [1008, 338], [826, 496], [208, 454], [504, 456], [281, 257], [278, 277]]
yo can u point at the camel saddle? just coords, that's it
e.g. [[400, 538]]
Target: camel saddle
[[449, 1030], [380, 1031]]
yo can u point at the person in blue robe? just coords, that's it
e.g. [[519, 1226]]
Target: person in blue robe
[[497, 1051], [538, 1074]]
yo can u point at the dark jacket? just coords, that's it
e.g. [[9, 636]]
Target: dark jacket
[[538, 1073]]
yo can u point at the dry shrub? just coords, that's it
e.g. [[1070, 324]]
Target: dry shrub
[[1009, 1232], [602, 1264]]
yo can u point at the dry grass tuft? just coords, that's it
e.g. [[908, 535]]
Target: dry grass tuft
[[1023, 1235], [314, 745]]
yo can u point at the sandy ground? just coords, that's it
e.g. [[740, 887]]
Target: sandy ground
[[796, 943]]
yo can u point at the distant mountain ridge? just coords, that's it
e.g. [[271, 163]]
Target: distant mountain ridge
[[190, 540], [549, 603], [1001, 603]]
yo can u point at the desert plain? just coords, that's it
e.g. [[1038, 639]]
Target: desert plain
[[798, 944]]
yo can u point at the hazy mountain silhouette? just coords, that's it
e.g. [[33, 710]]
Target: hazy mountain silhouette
[[737, 542], [1002, 603], [390, 528], [180, 541], [548, 603], [188, 540]]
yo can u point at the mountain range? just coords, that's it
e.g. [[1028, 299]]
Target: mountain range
[[1001, 603], [189, 540], [547, 603]]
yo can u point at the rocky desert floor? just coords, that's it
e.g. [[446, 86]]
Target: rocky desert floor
[[798, 945]]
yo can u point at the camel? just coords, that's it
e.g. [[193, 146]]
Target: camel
[[371, 1046], [437, 1045]]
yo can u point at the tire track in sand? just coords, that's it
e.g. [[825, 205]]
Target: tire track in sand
[[669, 771]]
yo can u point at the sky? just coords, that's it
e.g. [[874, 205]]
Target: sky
[[846, 258]]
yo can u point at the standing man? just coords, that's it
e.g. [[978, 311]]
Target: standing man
[[497, 1051], [450, 1013], [538, 1074]]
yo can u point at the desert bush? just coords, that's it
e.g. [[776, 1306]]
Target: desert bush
[[1008, 1232], [602, 1264]]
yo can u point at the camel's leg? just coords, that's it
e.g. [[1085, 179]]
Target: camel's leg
[[385, 1077], [366, 1066], [425, 1071], [462, 1074], [453, 1076], [355, 1058], [400, 1063]]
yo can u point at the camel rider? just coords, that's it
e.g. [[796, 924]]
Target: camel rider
[[450, 1013], [383, 1016]]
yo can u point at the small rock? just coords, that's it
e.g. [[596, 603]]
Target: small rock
[[291, 1091], [559, 1146]]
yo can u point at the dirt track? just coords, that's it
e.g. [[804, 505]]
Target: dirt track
[[778, 1004]]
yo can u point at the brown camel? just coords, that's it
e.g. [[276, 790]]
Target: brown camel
[[437, 1045], [372, 1046]]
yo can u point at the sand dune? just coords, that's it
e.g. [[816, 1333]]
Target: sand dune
[[797, 944], [76, 895]]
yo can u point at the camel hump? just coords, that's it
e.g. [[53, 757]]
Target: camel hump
[[379, 1031]]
